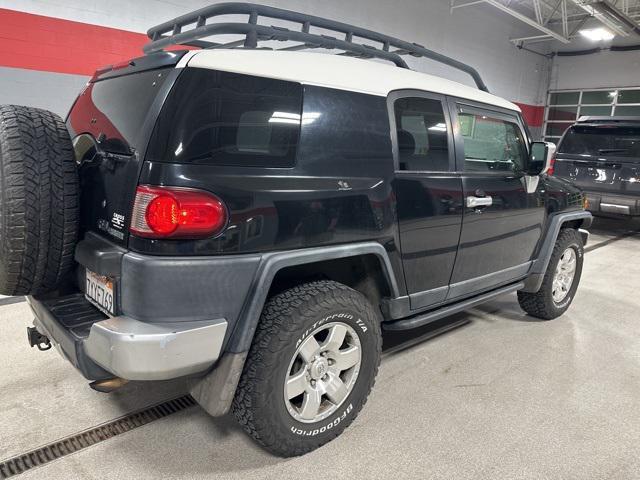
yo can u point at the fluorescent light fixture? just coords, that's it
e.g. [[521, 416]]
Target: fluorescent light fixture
[[439, 127], [597, 34]]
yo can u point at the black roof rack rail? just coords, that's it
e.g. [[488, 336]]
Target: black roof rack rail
[[391, 49]]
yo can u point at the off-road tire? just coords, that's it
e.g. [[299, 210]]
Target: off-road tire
[[38, 200], [259, 402], [541, 304]]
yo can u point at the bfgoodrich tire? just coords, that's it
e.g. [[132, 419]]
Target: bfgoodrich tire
[[310, 369], [561, 279], [38, 200]]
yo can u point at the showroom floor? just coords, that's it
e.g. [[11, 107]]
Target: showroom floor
[[500, 397]]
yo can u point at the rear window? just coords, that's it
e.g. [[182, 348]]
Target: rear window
[[222, 118], [114, 110], [604, 140]]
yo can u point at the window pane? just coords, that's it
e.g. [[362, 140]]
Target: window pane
[[602, 141], [423, 141], [121, 104], [222, 118], [557, 129], [491, 144], [605, 111], [598, 97], [627, 111], [563, 113], [564, 98], [629, 96]]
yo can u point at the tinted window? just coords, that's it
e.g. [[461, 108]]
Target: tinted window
[[602, 140], [491, 144], [598, 97], [563, 113], [423, 138], [564, 98], [116, 108], [344, 132], [223, 118]]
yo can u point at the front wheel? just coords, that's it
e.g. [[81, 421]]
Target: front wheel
[[310, 369], [560, 280]]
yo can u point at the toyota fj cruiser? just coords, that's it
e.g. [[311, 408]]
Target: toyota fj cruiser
[[253, 217]]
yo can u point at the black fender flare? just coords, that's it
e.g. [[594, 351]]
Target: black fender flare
[[540, 265], [272, 263]]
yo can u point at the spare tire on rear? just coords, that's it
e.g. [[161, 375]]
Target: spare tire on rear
[[38, 201]]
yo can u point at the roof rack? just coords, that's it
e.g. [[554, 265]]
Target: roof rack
[[618, 119], [391, 49]]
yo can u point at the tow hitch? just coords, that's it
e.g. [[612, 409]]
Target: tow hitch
[[36, 339]]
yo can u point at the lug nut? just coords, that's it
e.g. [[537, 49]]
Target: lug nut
[[313, 383], [325, 378]]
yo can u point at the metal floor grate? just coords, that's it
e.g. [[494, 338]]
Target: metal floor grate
[[79, 441]]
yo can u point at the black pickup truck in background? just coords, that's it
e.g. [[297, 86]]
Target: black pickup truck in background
[[601, 155]]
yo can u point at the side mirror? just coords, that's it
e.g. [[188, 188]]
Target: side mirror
[[542, 154]]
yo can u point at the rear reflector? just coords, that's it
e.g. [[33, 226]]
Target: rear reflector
[[175, 212]]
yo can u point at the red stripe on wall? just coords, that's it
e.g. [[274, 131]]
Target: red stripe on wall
[[533, 114], [38, 42]]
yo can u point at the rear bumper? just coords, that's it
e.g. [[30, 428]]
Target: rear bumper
[[124, 347], [613, 204]]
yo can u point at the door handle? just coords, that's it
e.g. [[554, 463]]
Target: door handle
[[475, 202]]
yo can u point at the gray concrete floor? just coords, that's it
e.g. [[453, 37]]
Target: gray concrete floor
[[502, 397]]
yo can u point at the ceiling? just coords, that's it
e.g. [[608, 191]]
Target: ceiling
[[555, 24]]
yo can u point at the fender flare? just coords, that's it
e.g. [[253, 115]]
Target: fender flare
[[540, 265], [272, 263]]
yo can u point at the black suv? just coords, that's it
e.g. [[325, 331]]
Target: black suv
[[253, 218], [601, 155]]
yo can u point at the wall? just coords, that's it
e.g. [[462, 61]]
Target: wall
[[45, 59], [604, 69]]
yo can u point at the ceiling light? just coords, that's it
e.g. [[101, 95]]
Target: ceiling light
[[597, 34]]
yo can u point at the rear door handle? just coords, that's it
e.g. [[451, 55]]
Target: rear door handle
[[475, 202]]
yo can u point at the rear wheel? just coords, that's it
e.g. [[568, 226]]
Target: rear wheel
[[560, 281], [310, 369], [38, 200]]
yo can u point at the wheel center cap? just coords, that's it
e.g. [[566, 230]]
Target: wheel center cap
[[319, 368]]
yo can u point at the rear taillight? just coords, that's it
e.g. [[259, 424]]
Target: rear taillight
[[552, 166], [175, 212]]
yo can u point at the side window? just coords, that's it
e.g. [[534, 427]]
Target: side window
[[423, 137], [222, 118], [491, 144]]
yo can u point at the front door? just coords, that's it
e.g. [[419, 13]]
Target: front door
[[502, 221], [428, 194]]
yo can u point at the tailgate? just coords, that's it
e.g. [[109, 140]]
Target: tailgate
[[601, 157], [111, 122], [600, 175]]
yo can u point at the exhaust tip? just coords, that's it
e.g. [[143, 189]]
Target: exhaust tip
[[108, 385]]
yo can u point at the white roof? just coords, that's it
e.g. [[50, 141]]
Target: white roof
[[333, 71]]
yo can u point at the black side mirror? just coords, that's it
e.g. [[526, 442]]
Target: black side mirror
[[542, 154]]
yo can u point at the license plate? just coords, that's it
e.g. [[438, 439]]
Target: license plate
[[99, 291]]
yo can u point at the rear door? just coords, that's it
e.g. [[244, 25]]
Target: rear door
[[502, 223], [428, 194], [601, 158], [110, 123]]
